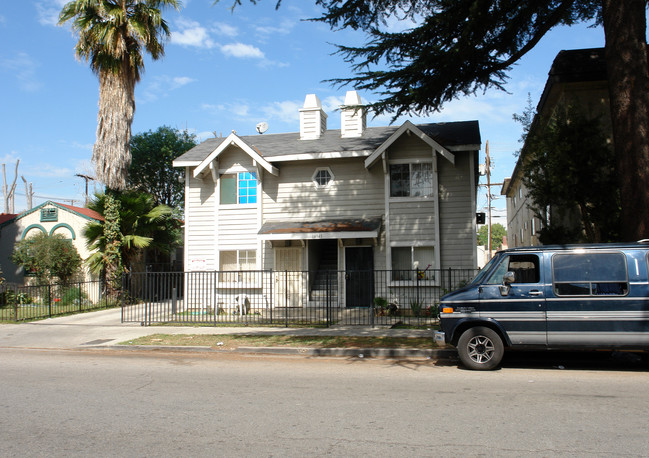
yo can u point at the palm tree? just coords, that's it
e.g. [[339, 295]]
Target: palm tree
[[112, 34], [142, 223]]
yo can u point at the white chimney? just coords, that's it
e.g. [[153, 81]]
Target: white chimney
[[313, 119], [352, 116]]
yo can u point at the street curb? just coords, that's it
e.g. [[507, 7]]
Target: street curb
[[387, 353]]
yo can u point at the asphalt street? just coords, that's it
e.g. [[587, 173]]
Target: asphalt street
[[105, 403]]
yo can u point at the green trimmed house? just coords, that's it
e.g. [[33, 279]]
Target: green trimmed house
[[49, 218]]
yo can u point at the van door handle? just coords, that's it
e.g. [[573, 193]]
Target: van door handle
[[535, 292]]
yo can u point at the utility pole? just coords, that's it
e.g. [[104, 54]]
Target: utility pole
[[87, 178], [489, 185], [488, 166]]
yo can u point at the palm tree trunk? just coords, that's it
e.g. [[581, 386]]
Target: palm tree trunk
[[112, 151]]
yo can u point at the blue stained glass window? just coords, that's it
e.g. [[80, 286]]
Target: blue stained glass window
[[247, 188]]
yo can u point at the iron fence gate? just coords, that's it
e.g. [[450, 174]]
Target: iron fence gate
[[289, 298]]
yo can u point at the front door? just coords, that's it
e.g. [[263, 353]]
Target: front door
[[359, 276], [288, 277]]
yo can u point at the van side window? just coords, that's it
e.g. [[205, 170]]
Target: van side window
[[590, 274], [524, 266]]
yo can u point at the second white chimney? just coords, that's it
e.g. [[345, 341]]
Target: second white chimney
[[353, 119], [313, 119]]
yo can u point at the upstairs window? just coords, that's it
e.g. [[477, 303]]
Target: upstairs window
[[239, 188], [322, 177], [411, 180]]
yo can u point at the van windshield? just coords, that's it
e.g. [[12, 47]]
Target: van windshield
[[485, 270]]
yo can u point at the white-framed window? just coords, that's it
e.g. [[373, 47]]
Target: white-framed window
[[411, 263], [238, 188], [234, 263], [411, 180], [322, 177]]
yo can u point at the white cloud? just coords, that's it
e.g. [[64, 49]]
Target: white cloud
[[284, 28], [191, 33], [221, 28], [333, 103], [285, 111], [237, 109], [180, 81], [160, 86], [242, 50], [45, 170], [24, 69], [48, 11]]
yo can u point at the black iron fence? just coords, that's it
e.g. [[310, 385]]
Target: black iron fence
[[21, 303], [289, 298]]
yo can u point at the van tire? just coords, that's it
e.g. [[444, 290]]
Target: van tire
[[480, 348]]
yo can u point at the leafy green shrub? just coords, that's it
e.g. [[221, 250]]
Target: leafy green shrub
[[73, 296], [48, 257]]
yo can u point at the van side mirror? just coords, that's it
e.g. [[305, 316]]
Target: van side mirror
[[508, 279]]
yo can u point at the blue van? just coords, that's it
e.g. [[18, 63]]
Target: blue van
[[552, 297]]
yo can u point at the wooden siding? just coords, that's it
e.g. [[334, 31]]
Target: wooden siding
[[410, 147], [412, 220], [200, 220], [237, 228], [457, 229], [233, 158], [354, 193]]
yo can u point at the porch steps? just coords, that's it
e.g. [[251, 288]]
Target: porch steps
[[327, 273]]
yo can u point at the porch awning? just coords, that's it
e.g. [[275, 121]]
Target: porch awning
[[326, 229]]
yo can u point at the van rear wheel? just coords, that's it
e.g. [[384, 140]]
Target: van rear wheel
[[480, 348]]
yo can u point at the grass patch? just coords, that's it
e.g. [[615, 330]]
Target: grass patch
[[238, 340]]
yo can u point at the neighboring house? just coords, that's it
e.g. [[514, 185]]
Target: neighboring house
[[577, 77], [352, 199], [49, 218]]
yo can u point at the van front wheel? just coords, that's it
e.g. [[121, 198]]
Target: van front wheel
[[480, 348]]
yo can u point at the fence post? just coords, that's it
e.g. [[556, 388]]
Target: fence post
[[328, 296], [15, 304], [450, 274], [49, 296], [80, 300], [174, 305], [272, 299], [286, 298]]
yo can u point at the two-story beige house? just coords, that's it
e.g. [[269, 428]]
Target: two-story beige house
[[356, 198]]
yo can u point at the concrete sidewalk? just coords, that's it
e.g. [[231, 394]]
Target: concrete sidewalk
[[104, 329]]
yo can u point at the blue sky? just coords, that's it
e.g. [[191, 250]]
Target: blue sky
[[222, 71]]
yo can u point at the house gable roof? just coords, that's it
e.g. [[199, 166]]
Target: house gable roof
[[233, 139], [275, 148], [411, 128], [85, 213]]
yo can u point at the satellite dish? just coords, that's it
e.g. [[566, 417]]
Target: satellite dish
[[262, 127]]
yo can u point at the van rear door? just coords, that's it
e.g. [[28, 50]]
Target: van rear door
[[521, 309]]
